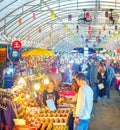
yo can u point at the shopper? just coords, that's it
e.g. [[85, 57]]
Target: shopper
[[73, 101], [84, 104], [102, 77], [56, 76], [50, 93], [94, 80], [110, 76]]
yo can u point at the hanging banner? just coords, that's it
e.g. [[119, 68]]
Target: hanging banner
[[16, 45]]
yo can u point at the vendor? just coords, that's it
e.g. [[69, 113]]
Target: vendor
[[50, 93], [55, 75]]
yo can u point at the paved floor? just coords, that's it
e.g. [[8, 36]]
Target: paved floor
[[107, 117]]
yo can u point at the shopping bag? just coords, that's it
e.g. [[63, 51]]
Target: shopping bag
[[101, 86]]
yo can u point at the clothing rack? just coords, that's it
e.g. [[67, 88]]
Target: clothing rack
[[7, 113], [5, 98]]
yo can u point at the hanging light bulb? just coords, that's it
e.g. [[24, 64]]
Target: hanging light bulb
[[27, 96], [21, 81], [52, 15], [20, 86], [46, 81], [37, 86]]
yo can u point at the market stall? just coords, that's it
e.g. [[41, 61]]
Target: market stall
[[117, 83], [27, 97]]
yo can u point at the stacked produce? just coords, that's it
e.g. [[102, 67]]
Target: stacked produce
[[24, 98]]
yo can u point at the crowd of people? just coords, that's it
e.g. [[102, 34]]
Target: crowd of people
[[91, 84]]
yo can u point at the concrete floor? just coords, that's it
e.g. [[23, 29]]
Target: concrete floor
[[107, 117]]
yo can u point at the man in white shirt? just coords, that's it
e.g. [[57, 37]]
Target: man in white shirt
[[84, 104]]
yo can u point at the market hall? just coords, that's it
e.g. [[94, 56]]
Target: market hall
[[59, 64]]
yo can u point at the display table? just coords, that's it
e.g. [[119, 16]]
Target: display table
[[23, 127]]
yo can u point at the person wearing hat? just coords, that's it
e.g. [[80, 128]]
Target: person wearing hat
[[84, 103]]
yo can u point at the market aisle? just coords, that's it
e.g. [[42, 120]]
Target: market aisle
[[107, 117]]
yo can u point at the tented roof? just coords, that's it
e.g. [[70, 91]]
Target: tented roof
[[38, 29]]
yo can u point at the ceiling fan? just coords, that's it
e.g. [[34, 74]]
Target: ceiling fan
[[113, 18], [82, 20]]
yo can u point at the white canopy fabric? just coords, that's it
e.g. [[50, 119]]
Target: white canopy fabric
[[38, 29]]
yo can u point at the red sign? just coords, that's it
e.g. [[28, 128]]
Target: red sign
[[16, 45]]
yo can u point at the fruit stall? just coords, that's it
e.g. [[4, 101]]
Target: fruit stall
[[29, 111]]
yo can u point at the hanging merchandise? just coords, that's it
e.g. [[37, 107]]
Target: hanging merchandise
[[69, 17], [20, 21], [5, 97], [7, 110], [52, 15]]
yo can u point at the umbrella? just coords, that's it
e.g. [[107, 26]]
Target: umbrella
[[38, 52]]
